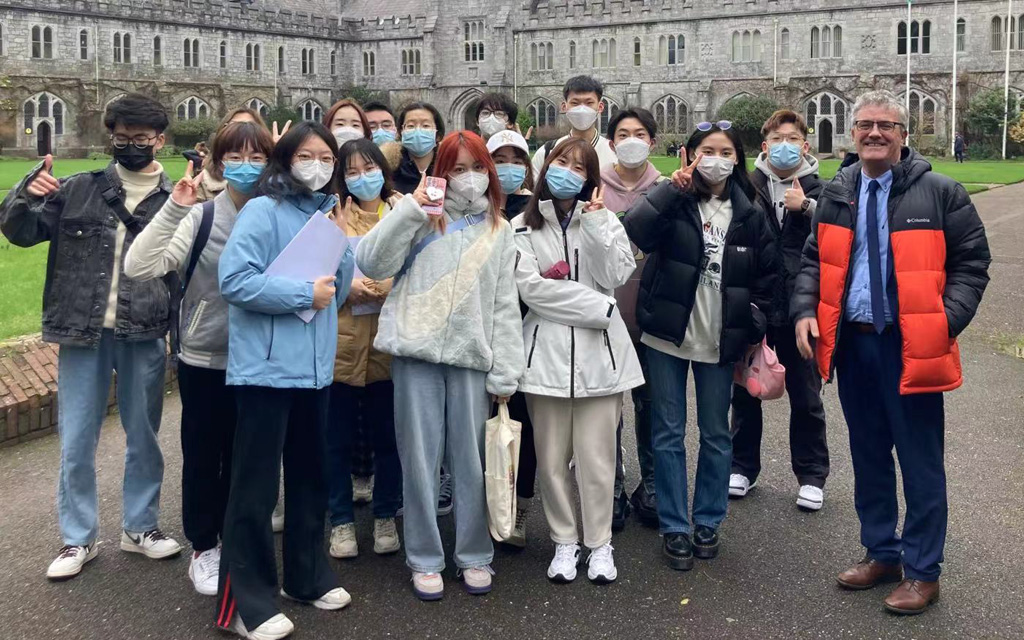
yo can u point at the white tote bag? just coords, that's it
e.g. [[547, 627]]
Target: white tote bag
[[503, 436]]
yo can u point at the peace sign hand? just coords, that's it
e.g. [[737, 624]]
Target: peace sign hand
[[683, 176], [596, 202], [275, 135], [342, 214], [186, 191]]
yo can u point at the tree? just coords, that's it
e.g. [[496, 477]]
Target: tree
[[747, 114], [984, 115], [188, 132], [281, 115], [362, 95], [1016, 132]]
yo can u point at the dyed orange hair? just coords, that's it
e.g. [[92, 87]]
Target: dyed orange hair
[[447, 157], [348, 102]]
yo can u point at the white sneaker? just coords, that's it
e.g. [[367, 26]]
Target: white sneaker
[[362, 489], [273, 629], [152, 544], [518, 537], [740, 485], [333, 600], [277, 519], [385, 536], [563, 565], [477, 580], [204, 571], [810, 498], [70, 560], [427, 586], [444, 499], [602, 565], [343, 541]]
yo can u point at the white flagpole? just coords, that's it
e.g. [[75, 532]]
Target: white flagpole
[[1006, 79], [956, 43], [910, 42]]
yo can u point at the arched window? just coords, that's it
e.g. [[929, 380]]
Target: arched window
[[997, 34], [572, 54], [737, 46], [42, 42], [1019, 41], [672, 115], [305, 63], [926, 36], [252, 57], [784, 44], [826, 42], [961, 35], [83, 44], [223, 52], [839, 108], [922, 112], [310, 110], [259, 107], [755, 53], [542, 56], [637, 47], [827, 105], [191, 108], [280, 61], [672, 50], [747, 46], [334, 62], [815, 42], [1, 39], [308, 58], [44, 107], [191, 53], [473, 40], [158, 54], [610, 109], [543, 113], [370, 63], [837, 42], [812, 113]]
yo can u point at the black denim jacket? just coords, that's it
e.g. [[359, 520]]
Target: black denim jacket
[[82, 231]]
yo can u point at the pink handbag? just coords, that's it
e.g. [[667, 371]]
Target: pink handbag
[[760, 373]]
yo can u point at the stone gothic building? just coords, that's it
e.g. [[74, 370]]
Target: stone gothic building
[[62, 62]]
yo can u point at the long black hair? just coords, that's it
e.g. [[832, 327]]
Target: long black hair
[[277, 180], [740, 177], [370, 152]]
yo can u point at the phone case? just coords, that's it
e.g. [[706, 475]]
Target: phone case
[[436, 188], [558, 271]]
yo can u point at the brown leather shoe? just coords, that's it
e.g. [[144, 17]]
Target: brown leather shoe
[[912, 597], [869, 572]]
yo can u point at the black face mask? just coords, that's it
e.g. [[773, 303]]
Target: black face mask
[[133, 158]]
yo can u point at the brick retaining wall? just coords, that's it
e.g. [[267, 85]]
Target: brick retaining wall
[[28, 389]]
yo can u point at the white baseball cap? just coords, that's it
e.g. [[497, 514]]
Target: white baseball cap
[[507, 138]]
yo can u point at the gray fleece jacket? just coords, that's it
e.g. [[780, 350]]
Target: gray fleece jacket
[[777, 186], [457, 304]]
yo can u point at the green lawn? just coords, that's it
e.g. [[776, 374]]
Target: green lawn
[[22, 271]]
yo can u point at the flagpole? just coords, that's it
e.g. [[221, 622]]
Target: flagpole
[[909, 47], [956, 43], [1006, 79]]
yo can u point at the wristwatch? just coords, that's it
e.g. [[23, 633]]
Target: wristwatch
[[805, 205]]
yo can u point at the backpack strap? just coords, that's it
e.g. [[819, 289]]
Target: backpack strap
[[458, 225], [202, 236], [548, 146], [111, 194]]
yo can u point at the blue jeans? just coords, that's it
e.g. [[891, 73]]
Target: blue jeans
[[374, 406], [83, 382], [440, 411], [667, 382]]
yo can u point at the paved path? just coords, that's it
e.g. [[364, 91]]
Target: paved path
[[774, 578]]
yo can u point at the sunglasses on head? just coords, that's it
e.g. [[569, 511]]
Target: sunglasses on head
[[724, 125]]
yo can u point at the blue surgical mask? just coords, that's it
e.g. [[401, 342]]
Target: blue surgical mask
[[242, 176], [380, 136], [511, 176], [562, 183], [366, 186], [419, 142], [784, 155]]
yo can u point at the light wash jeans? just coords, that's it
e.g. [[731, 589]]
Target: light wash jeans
[[667, 383], [83, 381], [437, 407]]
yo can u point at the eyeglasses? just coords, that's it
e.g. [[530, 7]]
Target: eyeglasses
[[724, 125], [885, 126], [141, 140], [304, 156], [793, 139], [487, 113]]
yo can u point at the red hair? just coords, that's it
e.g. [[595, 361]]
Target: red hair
[[447, 157]]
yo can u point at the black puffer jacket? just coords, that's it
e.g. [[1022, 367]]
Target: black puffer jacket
[[666, 225], [790, 236]]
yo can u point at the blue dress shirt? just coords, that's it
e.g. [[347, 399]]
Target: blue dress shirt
[[858, 298]]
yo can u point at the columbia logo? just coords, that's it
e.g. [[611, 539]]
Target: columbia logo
[[918, 220]]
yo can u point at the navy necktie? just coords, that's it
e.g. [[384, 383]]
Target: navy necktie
[[875, 260]]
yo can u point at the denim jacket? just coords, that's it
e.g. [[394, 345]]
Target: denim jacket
[[82, 231]]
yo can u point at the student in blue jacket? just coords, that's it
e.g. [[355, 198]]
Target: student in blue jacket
[[281, 368]]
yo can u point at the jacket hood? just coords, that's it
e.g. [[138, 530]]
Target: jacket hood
[[619, 197], [907, 171], [808, 167], [548, 212]]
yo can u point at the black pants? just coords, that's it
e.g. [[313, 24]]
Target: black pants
[[272, 422], [808, 447], [959, 156], [208, 416], [527, 478]]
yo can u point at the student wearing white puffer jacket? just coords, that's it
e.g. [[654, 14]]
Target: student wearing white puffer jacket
[[572, 254]]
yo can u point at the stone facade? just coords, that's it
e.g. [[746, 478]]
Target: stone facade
[[74, 53]]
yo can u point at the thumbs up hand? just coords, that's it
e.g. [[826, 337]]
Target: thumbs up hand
[[44, 183], [795, 197]]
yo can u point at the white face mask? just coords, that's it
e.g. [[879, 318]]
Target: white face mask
[[632, 152], [344, 134], [470, 185], [491, 125], [715, 169], [582, 117], [313, 173]]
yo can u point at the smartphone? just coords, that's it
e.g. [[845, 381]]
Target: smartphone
[[436, 188]]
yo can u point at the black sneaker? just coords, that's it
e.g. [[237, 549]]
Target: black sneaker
[[705, 542], [444, 500], [678, 550], [646, 506], [620, 511]]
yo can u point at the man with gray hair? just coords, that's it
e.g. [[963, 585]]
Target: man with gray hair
[[893, 271]]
